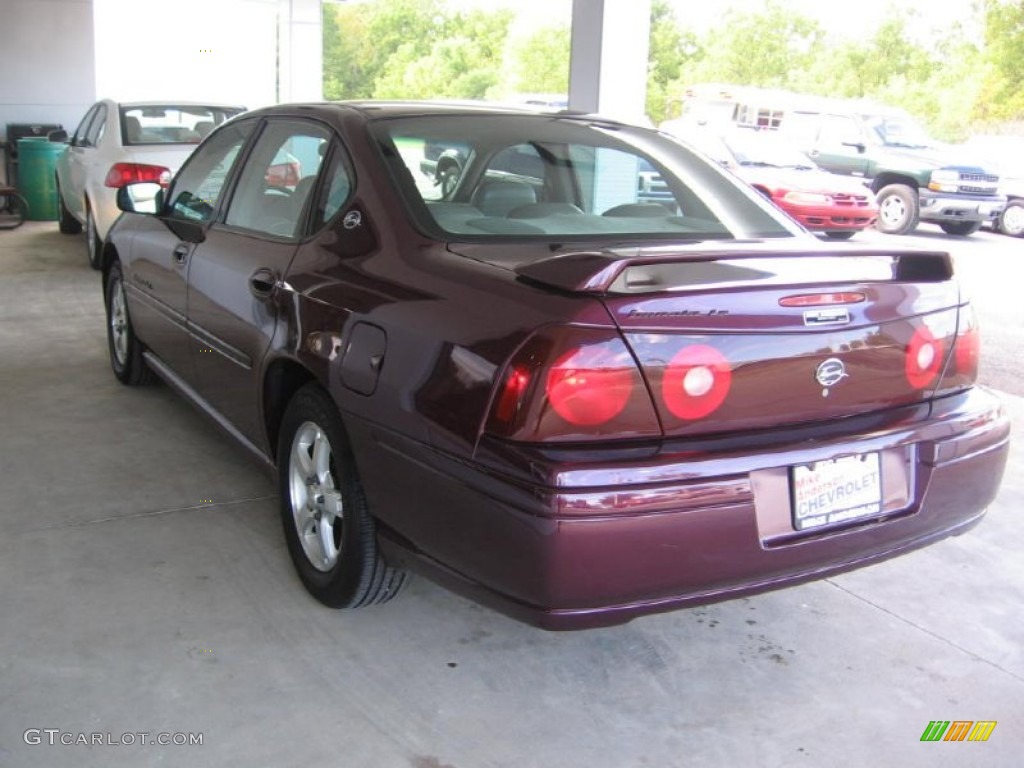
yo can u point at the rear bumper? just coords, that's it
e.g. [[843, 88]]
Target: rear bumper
[[567, 542], [936, 206]]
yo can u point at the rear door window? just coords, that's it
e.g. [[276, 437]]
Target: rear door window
[[278, 178], [79, 139]]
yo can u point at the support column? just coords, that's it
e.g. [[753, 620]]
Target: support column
[[300, 51], [608, 64]]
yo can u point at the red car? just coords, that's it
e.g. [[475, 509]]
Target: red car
[[565, 401]]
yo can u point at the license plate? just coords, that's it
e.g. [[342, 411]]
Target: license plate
[[835, 491]]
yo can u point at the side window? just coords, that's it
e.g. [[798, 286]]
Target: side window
[[99, 123], [335, 190], [278, 178], [197, 189], [837, 130], [78, 140]]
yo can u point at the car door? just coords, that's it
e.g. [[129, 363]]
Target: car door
[[162, 247], [235, 275], [78, 159], [840, 146]]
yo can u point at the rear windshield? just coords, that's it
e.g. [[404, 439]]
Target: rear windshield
[[542, 176], [171, 124]]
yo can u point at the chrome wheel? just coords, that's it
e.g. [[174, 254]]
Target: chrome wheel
[[898, 209], [317, 507], [1012, 220], [892, 211], [118, 322]]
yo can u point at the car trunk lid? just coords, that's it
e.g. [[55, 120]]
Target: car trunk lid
[[750, 336]]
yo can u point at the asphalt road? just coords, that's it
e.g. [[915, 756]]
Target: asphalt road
[[991, 268]]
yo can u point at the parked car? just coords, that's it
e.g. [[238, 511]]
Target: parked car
[[914, 177], [1005, 153], [837, 206], [119, 143], [541, 391]]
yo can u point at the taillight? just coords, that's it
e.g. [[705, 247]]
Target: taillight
[[962, 372], [696, 381], [923, 358], [572, 383], [968, 350], [122, 174], [591, 384]]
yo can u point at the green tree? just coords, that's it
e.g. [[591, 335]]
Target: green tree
[[760, 48], [361, 39], [540, 63], [670, 49], [1002, 97], [465, 65]]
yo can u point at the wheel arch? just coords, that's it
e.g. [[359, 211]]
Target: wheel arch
[[885, 179], [107, 257], [281, 380]]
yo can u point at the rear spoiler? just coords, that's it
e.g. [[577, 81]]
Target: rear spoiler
[[647, 270]]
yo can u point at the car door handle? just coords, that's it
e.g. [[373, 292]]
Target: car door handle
[[262, 283], [180, 253]]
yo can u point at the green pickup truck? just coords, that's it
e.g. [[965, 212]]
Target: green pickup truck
[[914, 177]]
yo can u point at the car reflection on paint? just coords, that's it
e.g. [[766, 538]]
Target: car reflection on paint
[[543, 391]]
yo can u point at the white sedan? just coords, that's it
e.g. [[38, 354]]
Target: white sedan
[[120, 143]]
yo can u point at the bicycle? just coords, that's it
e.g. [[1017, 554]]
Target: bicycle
[[13, 208]]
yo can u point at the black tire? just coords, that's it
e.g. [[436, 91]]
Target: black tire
[[93, 241], [840, 234], [1011, 220], [340, 568], [125, 349], [448, 178], [962, 228], [13, 210], [898, 210], [67, 223]]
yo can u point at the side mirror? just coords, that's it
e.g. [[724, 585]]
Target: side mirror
[[141, 197], [60, 136], [855, 145]]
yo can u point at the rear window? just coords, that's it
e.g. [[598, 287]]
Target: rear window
[[538, 176], [171, 124]]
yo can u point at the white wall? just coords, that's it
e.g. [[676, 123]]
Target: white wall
[[47, 61], [195, 50]]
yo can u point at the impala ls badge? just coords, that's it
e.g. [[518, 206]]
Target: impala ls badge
[[352, 220], [830, 373]]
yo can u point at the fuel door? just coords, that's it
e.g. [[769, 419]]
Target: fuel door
[[364, 358]]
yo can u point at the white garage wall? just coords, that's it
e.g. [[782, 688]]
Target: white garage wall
[[46, 55], [199, 50]]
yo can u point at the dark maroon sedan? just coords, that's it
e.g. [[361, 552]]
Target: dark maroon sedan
[[573, 404]]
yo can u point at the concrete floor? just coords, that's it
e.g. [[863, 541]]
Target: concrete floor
[[145, 587]]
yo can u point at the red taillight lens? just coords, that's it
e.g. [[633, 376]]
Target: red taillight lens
[[968, 350], [822, 299], [696, 382], [590, 385], [923, 358], [122, 174], [572, 383], [962, 372], [511, 395]]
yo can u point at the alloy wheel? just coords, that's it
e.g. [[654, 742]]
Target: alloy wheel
[[119, 322], [318, 509]]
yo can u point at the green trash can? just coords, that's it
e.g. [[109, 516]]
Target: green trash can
[[37, 176]]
